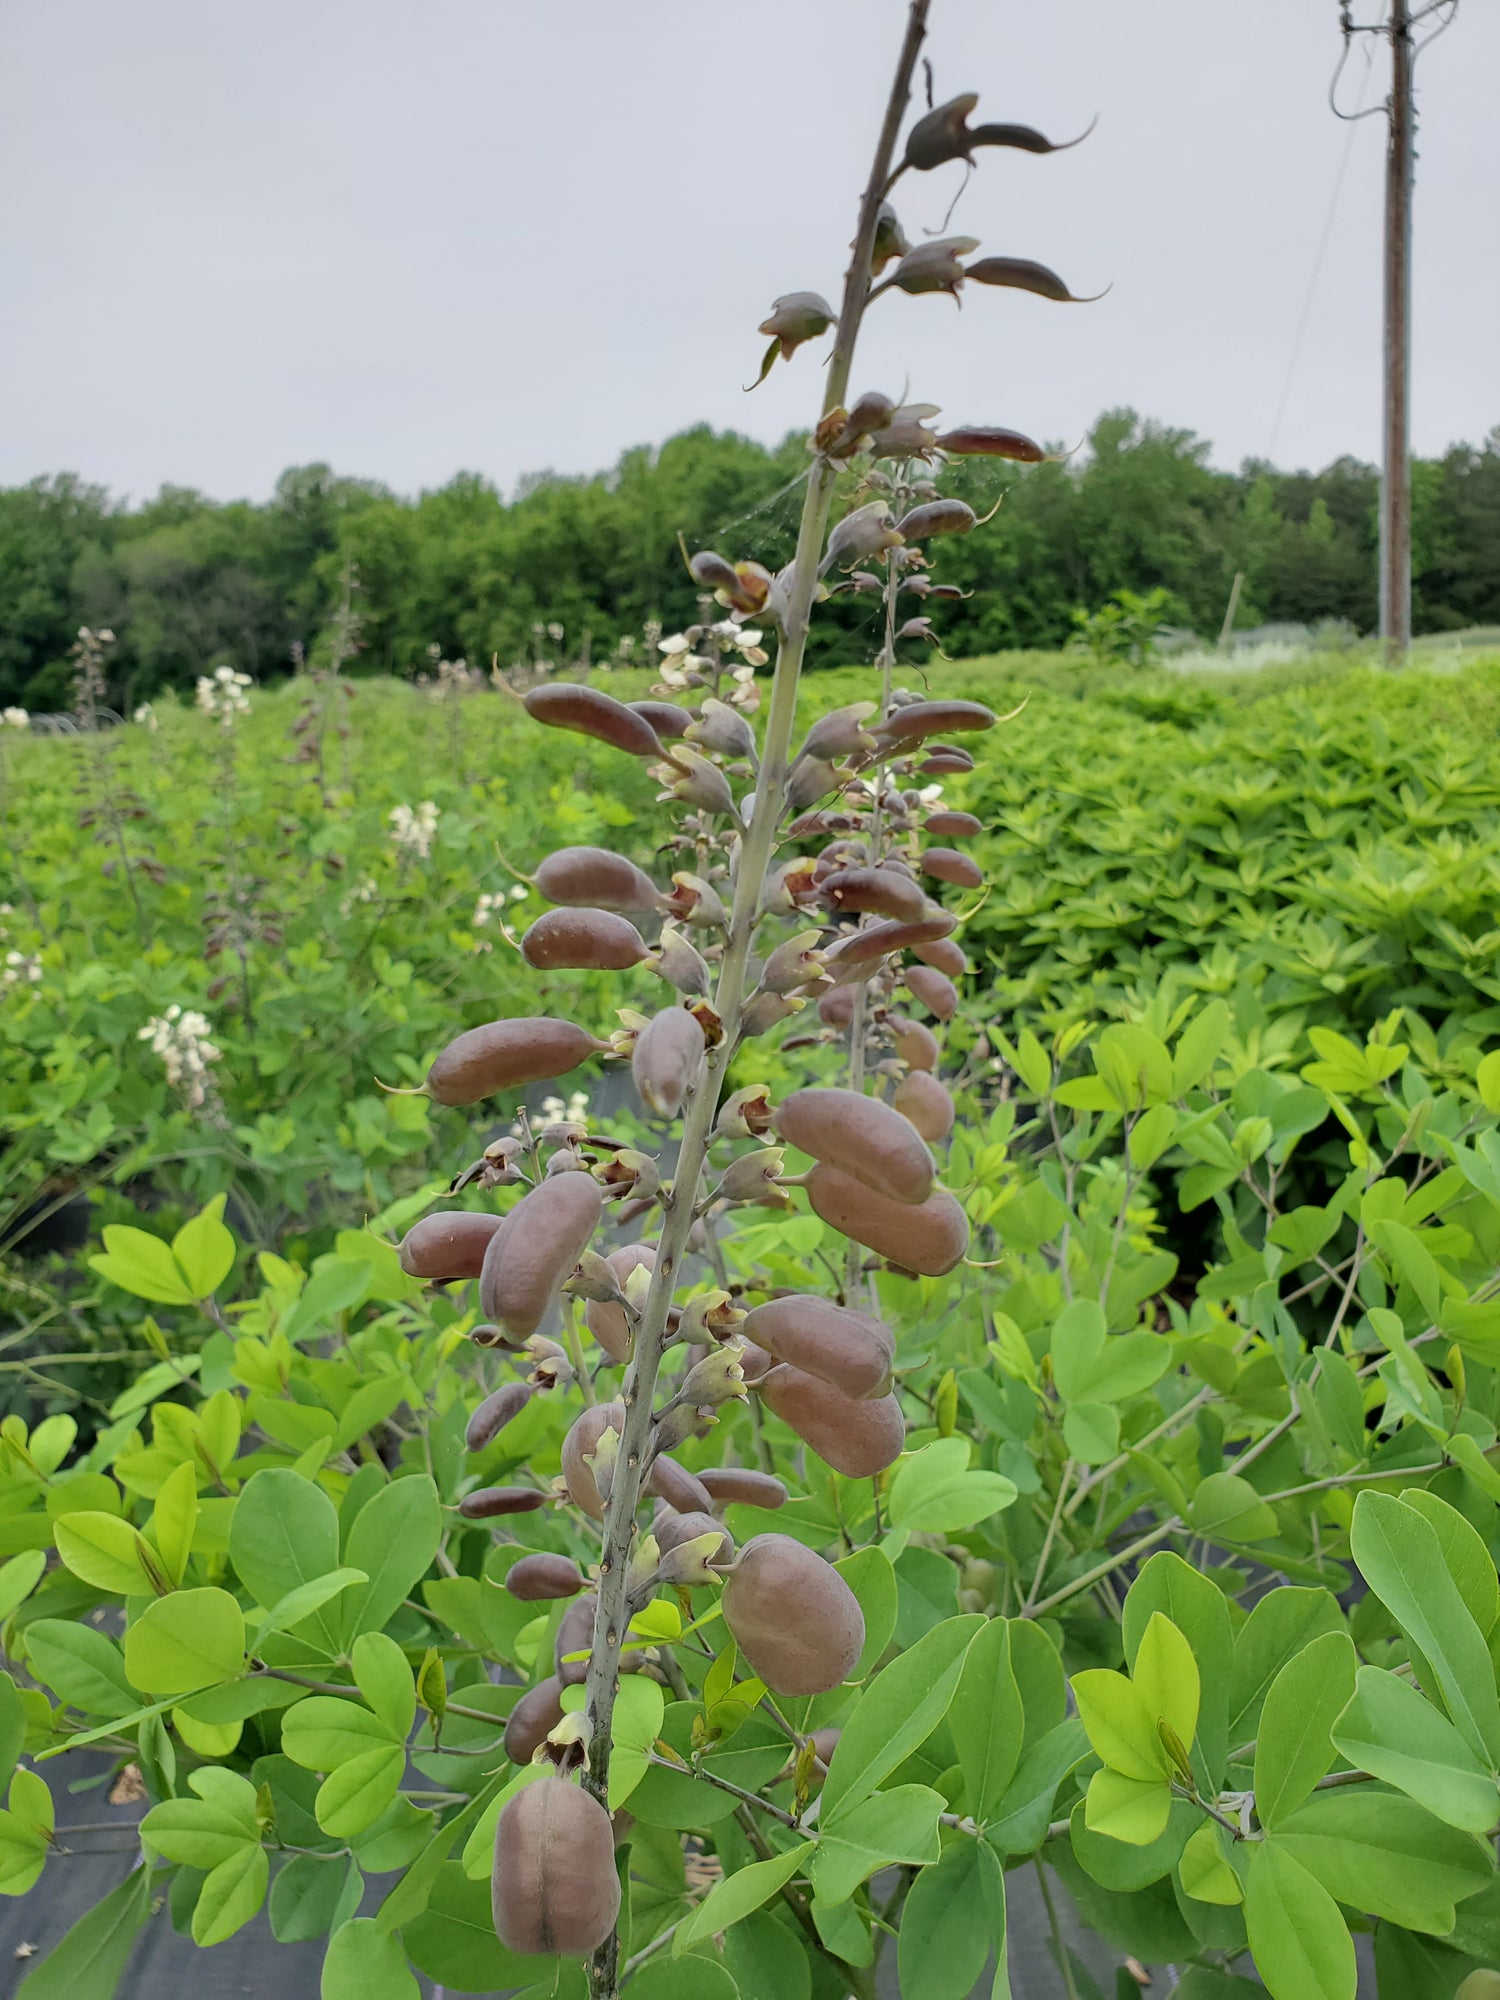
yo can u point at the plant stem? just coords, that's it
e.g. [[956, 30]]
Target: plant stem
[[1064, 1962]]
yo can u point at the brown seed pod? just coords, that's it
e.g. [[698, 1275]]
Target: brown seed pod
[[682, 1490], [666, 1060], [847, 1349], [554, 1887], [486, 1502], [447, 1247], [538, 1577], [593, 878], [860, 1135], [605, 1318], [495, 1412], [945, 760], [575, 1634], [590, 712], [739, 1486], [672, 1529], [944, 956], [836, 1007], [882, 892], [849, 956], [665, 717], [948, 865], [953, 825], [988, 441], [856, 1436], [505, 1055], [587, 1429], [921, 1098], [574, 940], [792, 1615], [544, 1236], [917, 1045], [929, 1239], [534, 1716], [937, 517], [919, 719], [934, 989]]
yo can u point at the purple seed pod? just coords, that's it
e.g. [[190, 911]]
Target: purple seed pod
[[849, 1350], [868, 531], [665, 717], [498, 1409], [882, 892], [916, 1044], [921, 1098], [545, 1234], [681, 964], [849, 955], [929, 1240], [682, 1490], [723, 729], [1024, 274], [447, 1247], [840, 733], [948, 865], [921, 719], [590, 712], [606, 1319], [578, 1448], [711, 570], [764, 1011], [593, 878], [536, 1714], [692, 780], [934, 989], [576, 940], [554, 1889], [793, 963], [536, 1578], [953, 825], [666, 1060], [755, 1362], [836, 1008], [861, 1136], [986, 441], [575, 1634], [792, 1615], [856, 1436], [740, 1486], [489, 1501], [944, 956], [506, 1055], [945, 760], [672, 1529], [937, 517]]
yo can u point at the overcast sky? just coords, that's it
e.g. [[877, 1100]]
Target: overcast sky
[[411, 237]]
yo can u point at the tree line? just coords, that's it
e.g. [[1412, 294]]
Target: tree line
[[187, 583]]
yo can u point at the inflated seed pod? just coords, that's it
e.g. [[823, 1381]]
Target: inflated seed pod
[[486, 1502], [848, 1349], [682, 1490], [605, 1318], [587, 1429], [929, 1239], [937, 517], [856, 1436], [882, 892], [665, 717], [534, 1716], [590, 712], [852, 955], [666, 1059], [944, 956], [593, 878], [554, 1887], [504, 1055], [575, 1634], [919, 719], [860, 1135], [538, 1577], [917, 1045], [741, 1486], [921, 1098], [574, 940], [447, 1247], [754, 1362], [495, 1412], [825, 1742], [946, 864], [545, 1234], [836, 1007], [793, 1617], [672, 1529], [953, 825], [945, 760], [934, 989]]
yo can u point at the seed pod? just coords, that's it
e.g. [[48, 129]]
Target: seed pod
[[868, 531], [592, 877], [666, 1060], [545, 1234], [665, 717], [944, 956], [1025, 275], [948, 865], [505, 1055], [795, 317], [890, 241], [792, 1615], [606, 1320], [495, 1412], [538, 1577], [694, 781], [722, 728], [917, 1045], [673, 1529], [575, 1634], [929, 1240], [682, 1490], [747, 1113], [921, 1098], [578, 1448], [944, 760], [681, 964], [934, 266], [755, 1362], [919, 719], [856, 1436], [934, 989], [840, 733], [981, 441], [847, 1349], [859, 949], [694, 901], [711, 569], [836, 1008], [937, 517], [881, 891], [489, 1501], [862, 1137], [554, 1887], [447, 1247], [534, 1716], [739, 1486], [575, 940], [590, 712], [793, 963]]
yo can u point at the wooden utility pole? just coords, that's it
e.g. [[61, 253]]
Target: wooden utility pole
[[1395, 486]]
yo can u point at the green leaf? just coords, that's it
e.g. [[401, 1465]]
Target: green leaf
[[1379, 1852], [1487, 1080], [1401, 1559], [307, 1598], [363, 1962], [453, 1941], [1300, 1943], [1226, 1507], [384, 1678], [1134, 1810], [1198, 1608], [899, 1825], [81, 1666], [393, 1540], [738, 1894], [354, 1796], [766, 1959], [199, 1833], [18, 1578], [336, 1285], [143, 1265], [106, 1552], [1022, 1816], [1469, 1561], [309, 1895], [12, 1726], [934, 1491], [1121, 1728], [953, 1919], [231, 1896], [1204, 1870], [987, 1720], [1091, 1431], [24, 1833], [154, 1382], [869, 1575], [1390, 1731], [691, 1978], [1295, 1747], [1166, 1675], [284, 1534], [174, 1518], [204, 1250], [896, 1714], [1284, 1621], [190, 1640], [321, 1732], [88, 1962]]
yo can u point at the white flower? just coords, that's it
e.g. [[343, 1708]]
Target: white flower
[[222, 693], [367, 891], [519, 892], [146, 714], [181, 1038], [930, 794], [745, 640], [555, 634], [19, 970], [678, 643], [413, 831], [14, 718]]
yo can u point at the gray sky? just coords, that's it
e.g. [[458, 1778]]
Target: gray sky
[[415, 236]]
